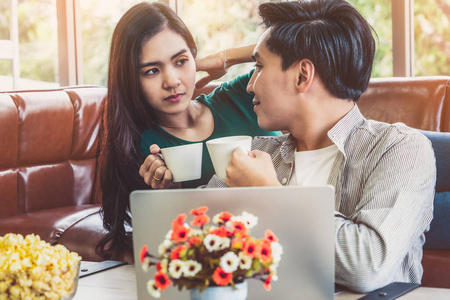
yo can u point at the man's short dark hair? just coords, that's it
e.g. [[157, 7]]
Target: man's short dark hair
[[332, 34]]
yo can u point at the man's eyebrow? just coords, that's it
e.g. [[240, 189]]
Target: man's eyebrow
[[153, 63]]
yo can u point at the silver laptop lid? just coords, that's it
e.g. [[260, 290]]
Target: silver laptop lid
[[300, 217]]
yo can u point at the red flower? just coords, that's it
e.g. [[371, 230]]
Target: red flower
[[250, 249], [266, 252], [270, 236], [267, 285], [225, 216], [200, 220], [143, 253], [162, 281], [158, 266], [222, 232], [222, 278], [179, 233], [239, 227], [175, 254], [199, 211], [194, 241], [179, 220]]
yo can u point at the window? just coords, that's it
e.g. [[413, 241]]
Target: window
[[38, 44], [66, 42], [98, 20], [432, 37], [233, 23]]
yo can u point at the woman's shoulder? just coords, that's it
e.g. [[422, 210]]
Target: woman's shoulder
[[235, 87]]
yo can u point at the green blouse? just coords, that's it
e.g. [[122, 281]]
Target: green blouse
[[232, 109]]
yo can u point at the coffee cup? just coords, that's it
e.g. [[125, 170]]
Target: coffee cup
[[185, 161], [221, 149]]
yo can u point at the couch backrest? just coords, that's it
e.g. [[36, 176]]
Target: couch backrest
[[48, 141], [419, 102]]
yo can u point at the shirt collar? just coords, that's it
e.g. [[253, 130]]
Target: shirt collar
[[340, 132], [288, 149]]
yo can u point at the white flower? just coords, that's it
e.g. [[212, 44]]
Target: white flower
[[164, 248], [248, 219], [229, 262], [169, 235], [277, 250], [216, 219], [224, 243], [152, 289], [212, 242], [245, 262], [146, 264], [191, 268], [176, 268]]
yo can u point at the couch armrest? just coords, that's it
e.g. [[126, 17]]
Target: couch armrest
[[49, 224]]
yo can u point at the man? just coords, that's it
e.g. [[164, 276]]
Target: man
[[312, 65]]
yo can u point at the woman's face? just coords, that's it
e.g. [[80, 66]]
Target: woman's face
[[167, 73]]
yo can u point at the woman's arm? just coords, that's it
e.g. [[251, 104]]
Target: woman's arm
[[217, 64]]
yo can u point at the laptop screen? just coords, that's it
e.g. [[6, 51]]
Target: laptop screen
[[302, 218]]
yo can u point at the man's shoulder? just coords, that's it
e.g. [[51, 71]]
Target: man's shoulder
[[390, 134]]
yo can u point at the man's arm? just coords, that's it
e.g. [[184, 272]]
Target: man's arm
[[395, 209]]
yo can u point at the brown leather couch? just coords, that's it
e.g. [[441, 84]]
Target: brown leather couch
[[48, 143], [47, 164]]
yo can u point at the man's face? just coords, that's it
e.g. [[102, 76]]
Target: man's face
[[273, 89]]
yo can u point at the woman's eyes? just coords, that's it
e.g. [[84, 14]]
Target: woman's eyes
[[181, 62], [152, 71]]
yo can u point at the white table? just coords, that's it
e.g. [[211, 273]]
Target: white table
[[120, 284]]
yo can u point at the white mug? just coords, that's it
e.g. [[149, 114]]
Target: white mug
[[185, 161], [221, 150]]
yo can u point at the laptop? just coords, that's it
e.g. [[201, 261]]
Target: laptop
[[302, 218]]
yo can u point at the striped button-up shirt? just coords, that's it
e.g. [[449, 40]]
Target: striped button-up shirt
[[384, 177]]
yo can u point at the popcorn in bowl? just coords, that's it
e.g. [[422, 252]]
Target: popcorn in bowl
[[33, 269]]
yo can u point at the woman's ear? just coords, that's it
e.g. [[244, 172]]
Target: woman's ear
[[305, 75]]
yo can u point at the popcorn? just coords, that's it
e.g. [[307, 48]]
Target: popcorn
[[33, 269]]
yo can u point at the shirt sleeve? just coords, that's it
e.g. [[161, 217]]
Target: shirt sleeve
[[393, 213]]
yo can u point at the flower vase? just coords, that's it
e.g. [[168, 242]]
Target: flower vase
[[221, 292]]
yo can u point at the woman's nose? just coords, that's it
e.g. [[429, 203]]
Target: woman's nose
[[171, 79]]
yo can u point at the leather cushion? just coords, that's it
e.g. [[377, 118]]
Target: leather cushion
[[436, 268], [49, 224]]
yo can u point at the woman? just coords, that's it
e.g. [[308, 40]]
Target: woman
[[151, 81]]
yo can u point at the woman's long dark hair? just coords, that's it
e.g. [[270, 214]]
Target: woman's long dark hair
[[126, 114]]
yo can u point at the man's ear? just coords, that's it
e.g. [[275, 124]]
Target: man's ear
[[305, 75]]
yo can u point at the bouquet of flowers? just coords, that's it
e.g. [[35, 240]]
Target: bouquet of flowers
[[212, 255]]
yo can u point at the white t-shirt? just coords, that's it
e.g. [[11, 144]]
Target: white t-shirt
[[313, 167]]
